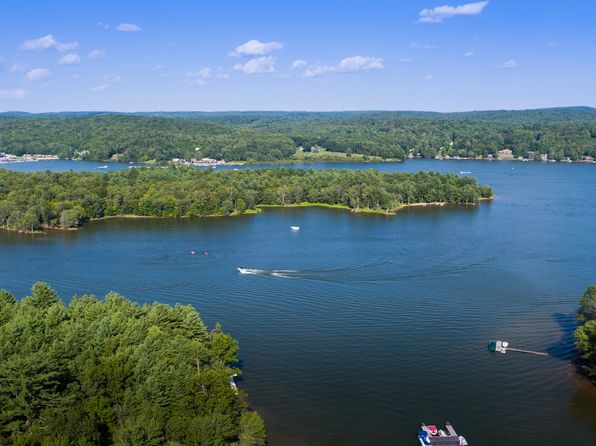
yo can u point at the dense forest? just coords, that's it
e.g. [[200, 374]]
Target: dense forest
[[275, 136], [115, 372], [31, 201], [585, 334]]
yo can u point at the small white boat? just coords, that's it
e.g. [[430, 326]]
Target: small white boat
[[464, 172], [101, 167], [233, 383], [295, 228]]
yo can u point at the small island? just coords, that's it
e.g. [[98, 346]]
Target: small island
[[112, 371], [34, 201]]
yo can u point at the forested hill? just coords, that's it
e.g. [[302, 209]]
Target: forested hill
[[103, 372], [31, 201], [275, 136]]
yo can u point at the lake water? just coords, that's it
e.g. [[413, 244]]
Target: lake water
[[358, 327]]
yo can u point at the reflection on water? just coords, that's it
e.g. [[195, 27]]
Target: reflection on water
[[357, 327]]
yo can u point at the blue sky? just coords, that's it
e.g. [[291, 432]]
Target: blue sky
[[443, 55]]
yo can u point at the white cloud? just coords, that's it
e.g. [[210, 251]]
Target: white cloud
[[70, 59], [47, 42], [440, 13], [128, 27], [17, 67], [469, 54], [17, 93], [100, 87], [109, 81], [37, 74], [264, 64], [317, 70], [360, 63], [429, 77], [347, 65], [423, 46], [510, 63], [43, 43], [66, 46], [299, 63], [203, 73], [200, 76], [256, 48], [97, 54]]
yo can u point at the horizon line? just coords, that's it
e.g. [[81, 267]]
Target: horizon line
[[372, 110]]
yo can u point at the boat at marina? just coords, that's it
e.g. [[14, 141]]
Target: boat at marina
[[429, 435]]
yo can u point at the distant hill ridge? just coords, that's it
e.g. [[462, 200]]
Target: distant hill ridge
[[564, 133], [553, 114]]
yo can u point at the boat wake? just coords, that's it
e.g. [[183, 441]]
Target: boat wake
[[371, 272], [285, 273]]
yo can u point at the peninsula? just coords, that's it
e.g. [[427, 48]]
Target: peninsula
[[34, 201]]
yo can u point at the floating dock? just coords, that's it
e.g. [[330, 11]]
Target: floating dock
[[503, 346]]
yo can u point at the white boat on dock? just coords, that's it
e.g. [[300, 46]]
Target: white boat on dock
[[233, 383]]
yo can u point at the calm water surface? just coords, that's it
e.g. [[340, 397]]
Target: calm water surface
[[358, 327]]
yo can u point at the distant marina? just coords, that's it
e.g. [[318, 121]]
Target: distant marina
[[6, 158]]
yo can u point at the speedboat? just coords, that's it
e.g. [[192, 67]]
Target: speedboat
[[430, 435], [248, 271], [295, 228]]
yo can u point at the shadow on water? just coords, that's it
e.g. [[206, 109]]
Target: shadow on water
[[564, 348], [582, 405]]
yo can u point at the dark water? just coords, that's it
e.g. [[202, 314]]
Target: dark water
[[358, 327]]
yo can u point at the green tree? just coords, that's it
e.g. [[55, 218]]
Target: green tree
[[69, 218], [587, 304], [252, 430], [585, 334]]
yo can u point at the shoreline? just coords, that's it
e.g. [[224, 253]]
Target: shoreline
[[258, 209], [290, 162]]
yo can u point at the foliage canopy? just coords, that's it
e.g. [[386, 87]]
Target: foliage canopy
[[115, 372], [31, 201]]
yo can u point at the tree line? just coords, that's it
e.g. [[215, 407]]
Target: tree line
[[585, 334], [274, 136], [36, 200], [112, 371]]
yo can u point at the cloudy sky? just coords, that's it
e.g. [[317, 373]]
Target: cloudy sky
[[312, 55]]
